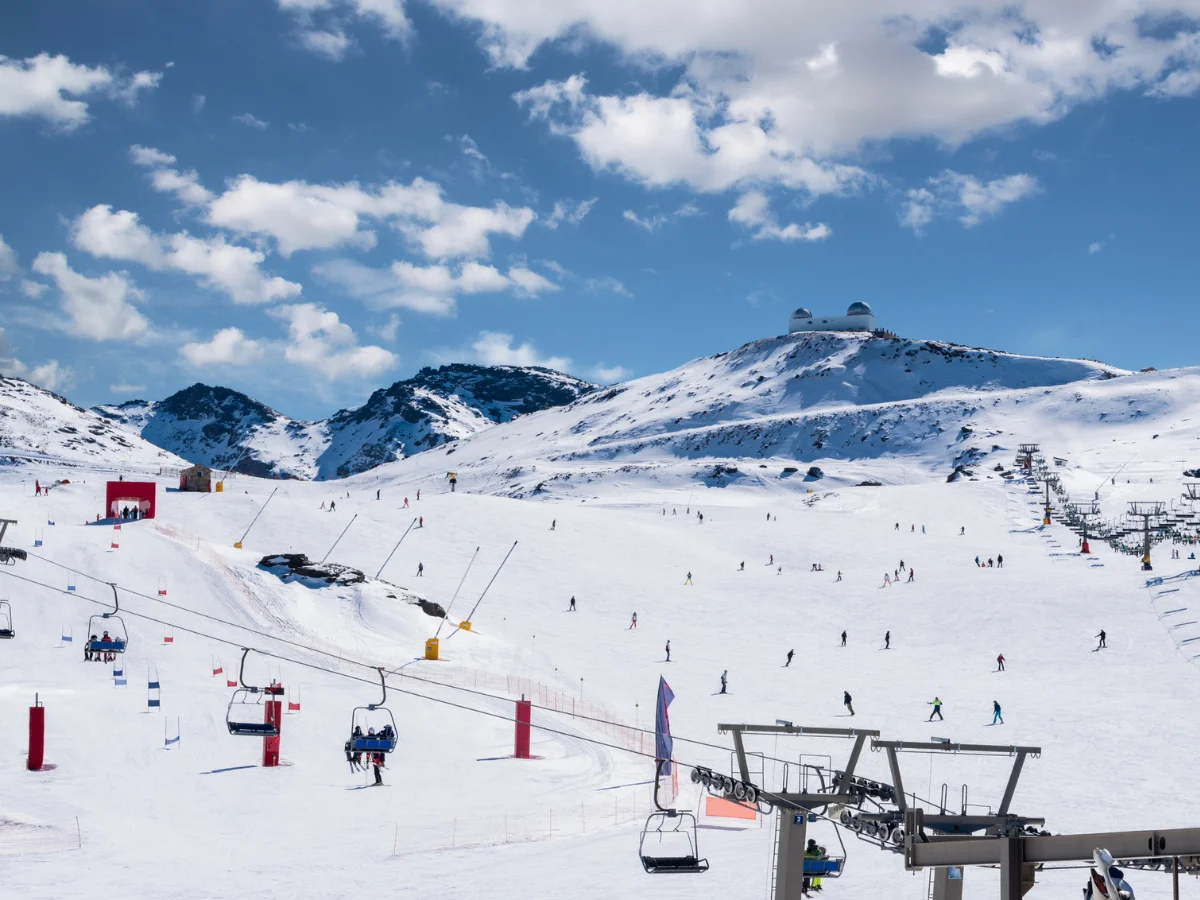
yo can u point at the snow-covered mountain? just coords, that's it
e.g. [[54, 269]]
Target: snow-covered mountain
[[221, 427], [803, 398], [38, 424]]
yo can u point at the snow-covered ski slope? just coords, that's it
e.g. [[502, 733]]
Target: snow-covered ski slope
[[1118, 726]]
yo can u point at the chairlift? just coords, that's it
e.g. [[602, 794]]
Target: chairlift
[[671, 833], [111, 624], [365, 737], [248, 696], [6, 622], [826, 865]]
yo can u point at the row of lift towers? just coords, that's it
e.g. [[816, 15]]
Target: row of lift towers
[[928, 835]]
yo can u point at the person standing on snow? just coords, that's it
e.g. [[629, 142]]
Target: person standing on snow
[[633, 622], [1000, 663], [848, 701], [377, 494], [789, 660], [1103, 640], [839, 578], [843, 638], [996, 717], [420, 569], [910, 576], [689, 578], [418, 495], [377, 765], [553, 524], [887, 579], [420, 521], [962, 531], [668, 651], [770, 559], [742, 567], [887, 640], [724, 676], [999, 561], [897, 528], [332, 505], [405, 502], [572, 603], [937, 710]]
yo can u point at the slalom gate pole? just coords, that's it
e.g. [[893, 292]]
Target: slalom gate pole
[[456, 590], [397, 547], [340, 536], [471, 614], [238, 545]]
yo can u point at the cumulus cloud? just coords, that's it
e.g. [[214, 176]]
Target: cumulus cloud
[[50, 375], [610, 374], [753, 210], [216, 264], [49, 87], [320, 341], [494, 348], [8, 261], [569, 213], [655, 221], [229, 346], [98, 309], [953, 194], [319, 22], [429, 289], [252, 121], [184, 185]]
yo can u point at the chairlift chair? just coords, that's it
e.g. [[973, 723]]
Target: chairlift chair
[[828, 866], [677, 829], [110, 623], [248, 696], [361, 742], [6, 622]]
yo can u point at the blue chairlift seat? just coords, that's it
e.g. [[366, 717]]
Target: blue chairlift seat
[[818, 867], [372, 744], [98, 646], [7, 633]]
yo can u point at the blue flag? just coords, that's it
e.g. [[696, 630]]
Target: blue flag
[[663, 745]]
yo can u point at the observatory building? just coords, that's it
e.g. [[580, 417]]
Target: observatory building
[[857, 318]]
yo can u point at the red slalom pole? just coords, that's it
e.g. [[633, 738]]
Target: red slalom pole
[[37, 736]]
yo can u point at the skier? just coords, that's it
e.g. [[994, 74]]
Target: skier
[[377, 496], [771, 560], [789, 660], [420, 570], [668, 651], [1103, 639], [572, 604], [332, 505], [420, 521], [996, 717], [813, 851], [839, 578], [377, 765], [843, 638], [1000, 663], [418, 495], [910, 576], [887, 579], [742, 567], [848, 701], [553, 524], [937, 709], [901, 565], [633, 622], [37, 488], [999, 561], [962, 531], [701, 515], [887, 640], [897, 528], [768, 517], [977, 560], [689, 578], [912, 530], [724, 676], [405, 502], [990, 562], [922, 529]]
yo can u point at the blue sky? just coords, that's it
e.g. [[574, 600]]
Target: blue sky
[[308, 199]]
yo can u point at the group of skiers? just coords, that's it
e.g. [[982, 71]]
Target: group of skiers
[[90, 655], [998, 562], [375, 758]]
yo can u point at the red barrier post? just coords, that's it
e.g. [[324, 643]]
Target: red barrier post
[[521, 739], [37, 736], [272, 715]]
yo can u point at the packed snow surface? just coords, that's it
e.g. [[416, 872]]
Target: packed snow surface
[[119, 814]]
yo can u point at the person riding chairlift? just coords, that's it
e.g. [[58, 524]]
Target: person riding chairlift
[[107, 656]]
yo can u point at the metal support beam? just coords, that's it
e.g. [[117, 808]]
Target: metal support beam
[[740, 750], [853, 763], [925, 851], [797, 729], [897, 782], [1012, 783], [948, 747], [1010, 868], [947, 883], [789, 856]]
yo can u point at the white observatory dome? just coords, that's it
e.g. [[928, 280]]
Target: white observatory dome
[[858, 308], [802, 313]]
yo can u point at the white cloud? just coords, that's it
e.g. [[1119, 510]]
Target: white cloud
[[98, 309], [318, 339], [33, 289], [570, 213], [8, 261], [184, 185], [965, 197], [387, 331], [529, 282], [303, 216], [494, 348], [198, 101], [655, 221], [329, 40], [252, 121], [229, 346], [753, 210], [48, 87], [149, 156], [49, 374], [605, 284], [610, 374], [1096, 246], [330, 44], [216, 264], [127, 388]]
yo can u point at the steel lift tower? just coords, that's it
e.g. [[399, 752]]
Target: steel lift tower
[[1147, 511]]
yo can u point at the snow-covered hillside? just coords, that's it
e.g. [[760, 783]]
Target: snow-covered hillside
[[850, 403], [221, 427], [38, 424]]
